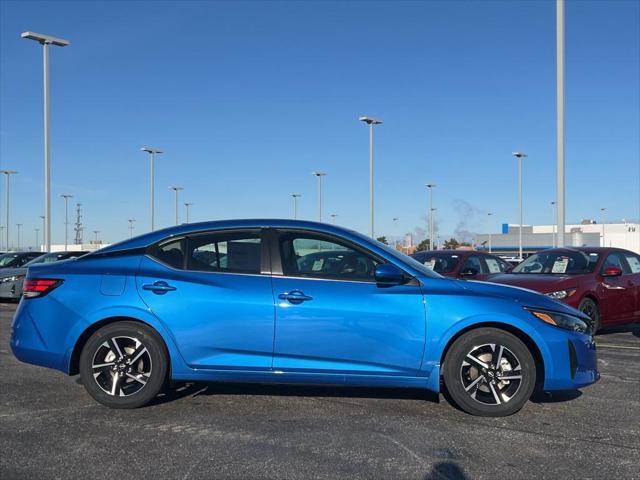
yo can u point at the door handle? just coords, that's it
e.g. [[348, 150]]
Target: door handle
[[295, 296], [159, 287]]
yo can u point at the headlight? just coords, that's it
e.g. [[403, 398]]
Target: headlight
[[15, 278], [561, 320], [561, 294]]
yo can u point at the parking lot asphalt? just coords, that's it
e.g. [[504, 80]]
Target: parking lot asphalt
[[50, 428]]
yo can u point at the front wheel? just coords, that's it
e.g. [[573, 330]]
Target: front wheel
[[489, 372], [124, 365], [590, 308]]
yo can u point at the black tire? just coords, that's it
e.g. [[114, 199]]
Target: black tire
[[137, 381], [590, 308], [481, 388]]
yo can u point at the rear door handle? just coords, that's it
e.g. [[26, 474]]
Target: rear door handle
[[159, 287], [295, 296]]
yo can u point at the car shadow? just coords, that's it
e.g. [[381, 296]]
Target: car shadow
[[555, 396], [446, 470], [193, 389], [633, 329]]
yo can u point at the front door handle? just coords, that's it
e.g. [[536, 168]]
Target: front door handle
[[159, 287], [295, 296]]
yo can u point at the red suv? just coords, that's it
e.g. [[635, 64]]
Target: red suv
[[469, 264], [604, 283]]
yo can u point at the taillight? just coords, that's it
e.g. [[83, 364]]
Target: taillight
[[37, 287]]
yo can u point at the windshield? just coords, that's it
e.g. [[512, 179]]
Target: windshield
[[7, 259], [438, 262], [561, 263]]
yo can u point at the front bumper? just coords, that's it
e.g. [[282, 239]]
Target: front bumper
[[574, 361]]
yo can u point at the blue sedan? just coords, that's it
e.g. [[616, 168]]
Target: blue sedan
[[292, 302]]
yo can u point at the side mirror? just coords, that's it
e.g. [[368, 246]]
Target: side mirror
[[509, 269], [611, 272], [389, 274], [469, 272]]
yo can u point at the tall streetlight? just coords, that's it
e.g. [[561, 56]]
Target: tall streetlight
[[560, 198], [295, 197], [395, 232], [430, 187], [602, 212], [66, 218], [2, 236], [319, 176], [18, 225], [554, 211], [187, 205], [95, 238], [333, 218], [431, 245], [131, 226], [37, 230], [176, 190], [371, 122], [489, 215], [43, 228], [152, 156], [45, 41], [8, 173], [520, 156]]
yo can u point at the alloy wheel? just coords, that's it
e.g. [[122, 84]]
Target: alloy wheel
[[491, 374], [121, 366]]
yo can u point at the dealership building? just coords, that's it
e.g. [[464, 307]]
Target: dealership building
[[538, 237]]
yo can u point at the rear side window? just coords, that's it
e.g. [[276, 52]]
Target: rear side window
[[171, 253], [234, 252]]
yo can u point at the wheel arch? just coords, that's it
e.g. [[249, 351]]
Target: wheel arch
[[517, 332], [74, 359]]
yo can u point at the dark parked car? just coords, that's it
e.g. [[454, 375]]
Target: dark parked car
[[468, 264], [11, 279], [17, 259], [604, 283]]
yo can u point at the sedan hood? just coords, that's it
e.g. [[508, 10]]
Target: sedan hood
[[543, 283], [525, 297]]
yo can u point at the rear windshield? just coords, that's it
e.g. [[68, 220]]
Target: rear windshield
[[559, 263]]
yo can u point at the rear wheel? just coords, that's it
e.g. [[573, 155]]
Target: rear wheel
[[124, 365], [489, 372], [590, 308]]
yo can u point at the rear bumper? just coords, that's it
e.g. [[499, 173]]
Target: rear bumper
[[10, 291], [28, 342]]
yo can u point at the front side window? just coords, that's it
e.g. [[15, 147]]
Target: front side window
[[615, 259], [474, 264], [317, 257], [235, 252], [496, 265], [438, 262]]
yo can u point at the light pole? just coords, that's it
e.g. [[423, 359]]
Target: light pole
[[295, 197], [319, 176], [66, 217], [18, 245], [395, 232], [602, 212], [560, 198], [430, 187], [187, 205], [8, 173], [42, 218], [131, 227], [333, 218], [176, 190], [95, 238], [554, 211], [520, 156], [431, 245], [152, 156], [45, 41], [371, 122], [2, 236], [37, 243], [489, 215]]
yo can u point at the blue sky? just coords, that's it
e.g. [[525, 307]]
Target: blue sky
[[247, 98]]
